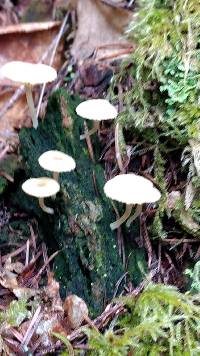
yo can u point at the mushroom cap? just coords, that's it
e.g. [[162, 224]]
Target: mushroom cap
[[96, 109], [41, 187], [31, 73], [56, 161], [131, 189]]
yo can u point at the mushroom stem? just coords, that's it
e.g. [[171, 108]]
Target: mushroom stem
[[138, 211], [29, 97], [44, 207], [56, 176], [123, 218], [95, 128]]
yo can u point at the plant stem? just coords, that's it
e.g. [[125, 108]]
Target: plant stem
[[90, 132], [44, 207], [123, 218], [29, 97]]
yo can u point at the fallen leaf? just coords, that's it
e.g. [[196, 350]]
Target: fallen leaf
[[76, 310], [105, 25], [23, 42]]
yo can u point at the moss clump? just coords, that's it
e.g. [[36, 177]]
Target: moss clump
[[88, 263], [161, 97], [160, 321]]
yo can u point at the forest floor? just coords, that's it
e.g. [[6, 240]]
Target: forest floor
[[38, 314]]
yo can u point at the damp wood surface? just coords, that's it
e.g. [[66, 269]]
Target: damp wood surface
[[88, 263]]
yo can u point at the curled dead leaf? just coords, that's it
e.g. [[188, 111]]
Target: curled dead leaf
[[76, 310]]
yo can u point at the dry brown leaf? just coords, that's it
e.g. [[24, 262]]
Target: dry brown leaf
[[25, 42], [8, 280], [76, 310], [13, 267], [24, 293], [98, 25]]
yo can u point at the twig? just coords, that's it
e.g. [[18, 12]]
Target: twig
[[131, 3], [117, 150], [116, 54], [7, 176], [31, 329], [14, 253], [3, 152], [45, 256], [146, 238], [179, 241], [18, 336], [33, 239], [27, 252], [57, 41], [46, 264], [89, 143]]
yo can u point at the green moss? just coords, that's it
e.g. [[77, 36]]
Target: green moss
[[161, 98], [160, 321]]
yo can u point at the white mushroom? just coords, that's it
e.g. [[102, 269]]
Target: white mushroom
[[41, 188], [56, 162], [130, 189], [29, 74], [95, 110]]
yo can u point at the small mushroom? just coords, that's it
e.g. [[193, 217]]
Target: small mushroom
[[29, 74], [41, 188], [130, 189], [95, 110], [56, 162]]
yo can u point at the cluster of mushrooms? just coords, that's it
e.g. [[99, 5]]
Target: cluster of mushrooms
[[56, 162], [129, 188]]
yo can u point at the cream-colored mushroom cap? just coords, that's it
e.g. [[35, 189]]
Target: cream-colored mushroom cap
[[24, 72], [41, 187], [131, 189], [56, 161], [96, 109]]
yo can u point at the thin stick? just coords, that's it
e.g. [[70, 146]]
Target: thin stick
[[32, 327], [46, 264], [31, 106], [15, 253], [3, 152], [7, 176], [117, 150], [89, 143], [27, 252], [57, 40], [87, 133]]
